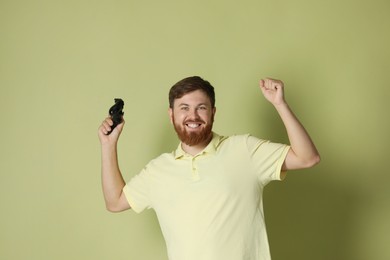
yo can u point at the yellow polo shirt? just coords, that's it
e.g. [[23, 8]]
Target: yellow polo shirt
[[209, 206]]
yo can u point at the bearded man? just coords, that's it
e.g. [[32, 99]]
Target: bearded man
[[208, 193]]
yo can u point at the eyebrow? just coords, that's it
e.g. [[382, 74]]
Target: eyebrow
[[185, 104]]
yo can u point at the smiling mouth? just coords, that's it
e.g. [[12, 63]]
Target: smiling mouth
[[193, 125]]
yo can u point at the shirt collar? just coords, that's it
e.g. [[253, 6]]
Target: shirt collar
[[211, 148]]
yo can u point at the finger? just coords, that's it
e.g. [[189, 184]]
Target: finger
[[269, 84], [274, 84], [261, 83], [279, 85], [106, 124], [109, 121], [105, 128], [102, 130]]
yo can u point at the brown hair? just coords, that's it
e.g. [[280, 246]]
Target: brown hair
[[191, 84]]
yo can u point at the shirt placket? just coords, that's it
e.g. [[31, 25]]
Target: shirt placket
[[194, 169]]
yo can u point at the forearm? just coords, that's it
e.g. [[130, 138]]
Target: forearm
[[112, 180], [302, 147]]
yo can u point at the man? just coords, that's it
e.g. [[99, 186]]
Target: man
[[208, 193]]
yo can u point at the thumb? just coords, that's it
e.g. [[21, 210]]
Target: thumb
[[121, 125], [118, 129]]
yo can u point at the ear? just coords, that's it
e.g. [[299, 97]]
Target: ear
[[170, 113]]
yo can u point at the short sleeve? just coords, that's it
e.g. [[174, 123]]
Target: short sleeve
[[267, 158], [137, 192]]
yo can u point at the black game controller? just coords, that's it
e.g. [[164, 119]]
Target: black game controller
[[116, 113]]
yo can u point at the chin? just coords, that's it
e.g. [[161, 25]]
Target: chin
[[195, 137]]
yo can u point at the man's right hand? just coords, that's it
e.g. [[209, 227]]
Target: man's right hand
[[105, 127], [112, 180]]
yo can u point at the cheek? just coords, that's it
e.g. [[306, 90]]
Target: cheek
[[208, 117], [177, 119]]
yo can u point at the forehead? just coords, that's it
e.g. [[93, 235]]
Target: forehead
[[193, 98]]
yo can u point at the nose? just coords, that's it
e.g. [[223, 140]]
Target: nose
[[193, 114]]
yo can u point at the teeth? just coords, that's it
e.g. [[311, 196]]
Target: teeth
[[193, 125]]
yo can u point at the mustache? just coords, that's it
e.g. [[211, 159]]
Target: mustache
[[194, 121]]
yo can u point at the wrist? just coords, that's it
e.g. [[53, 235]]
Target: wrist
[[281, 105], [108, 146]]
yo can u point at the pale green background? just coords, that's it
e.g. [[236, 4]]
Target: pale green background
[[63, 62]]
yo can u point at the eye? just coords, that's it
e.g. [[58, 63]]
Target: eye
[[202, 108], [183, 108]]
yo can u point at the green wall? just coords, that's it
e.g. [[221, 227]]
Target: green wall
[[63, 62]]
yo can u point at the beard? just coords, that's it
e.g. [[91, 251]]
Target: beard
[[193, 138]]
